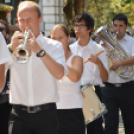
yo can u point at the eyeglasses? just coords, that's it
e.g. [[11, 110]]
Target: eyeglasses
[[79, 26]]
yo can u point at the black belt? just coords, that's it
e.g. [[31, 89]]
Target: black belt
[[35, 109], [119, 84]]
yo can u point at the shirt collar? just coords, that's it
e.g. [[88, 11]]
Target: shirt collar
[[125, 37], [89, 45], [39, 38]]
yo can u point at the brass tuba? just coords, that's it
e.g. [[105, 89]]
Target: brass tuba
[[21, 54], [114, 50]]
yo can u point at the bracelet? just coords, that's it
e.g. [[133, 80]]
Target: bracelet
[[9, 49]]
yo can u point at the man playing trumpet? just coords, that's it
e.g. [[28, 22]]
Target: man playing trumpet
[[33, 84]]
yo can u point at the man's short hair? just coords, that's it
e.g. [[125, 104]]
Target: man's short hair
[[32, 4], [89, 21], [121, 17]]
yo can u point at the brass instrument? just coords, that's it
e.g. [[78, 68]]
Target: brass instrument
[[21, 54], [114, 50], [4, 9]]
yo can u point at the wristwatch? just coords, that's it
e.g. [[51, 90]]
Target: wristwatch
[[41, 53]]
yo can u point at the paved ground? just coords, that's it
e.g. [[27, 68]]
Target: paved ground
[[121, 127]]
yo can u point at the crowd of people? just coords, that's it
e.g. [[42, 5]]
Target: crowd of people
[[44, 92]]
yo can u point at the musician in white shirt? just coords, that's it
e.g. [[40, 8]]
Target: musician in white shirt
[[118, 93], [85, 47], [69, 106], [33, 89]]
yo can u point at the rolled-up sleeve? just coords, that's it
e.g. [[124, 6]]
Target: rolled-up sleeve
[[54, 49]]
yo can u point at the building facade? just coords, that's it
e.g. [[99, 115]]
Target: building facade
[[52, 12]]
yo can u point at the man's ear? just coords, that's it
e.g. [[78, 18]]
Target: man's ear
[[40, 19], [90, 29], [127, 26]]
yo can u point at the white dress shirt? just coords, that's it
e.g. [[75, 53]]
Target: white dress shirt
[[31, 83], [128, 44], [5, 55], [89, 67]]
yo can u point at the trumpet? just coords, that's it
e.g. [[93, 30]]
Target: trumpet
[[21, 54]]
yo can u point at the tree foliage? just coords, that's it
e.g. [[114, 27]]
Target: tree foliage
[[105, 10]]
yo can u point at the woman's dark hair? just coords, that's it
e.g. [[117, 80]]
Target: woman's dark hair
[[89, 21], [6, 26], [122, 17]]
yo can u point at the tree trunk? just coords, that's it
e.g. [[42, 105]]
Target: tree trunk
[[71, 9], [78, 6]]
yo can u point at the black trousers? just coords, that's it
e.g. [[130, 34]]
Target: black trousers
[[96, 127], [115, 98], [43, 122], [5, 109], [71, 121]]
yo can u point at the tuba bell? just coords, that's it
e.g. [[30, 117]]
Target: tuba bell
[[21, 54], [114, 50]]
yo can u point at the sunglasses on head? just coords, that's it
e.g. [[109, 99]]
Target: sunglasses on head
[[1, 29]]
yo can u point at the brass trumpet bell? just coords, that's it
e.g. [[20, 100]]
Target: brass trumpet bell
[[21, 54]]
